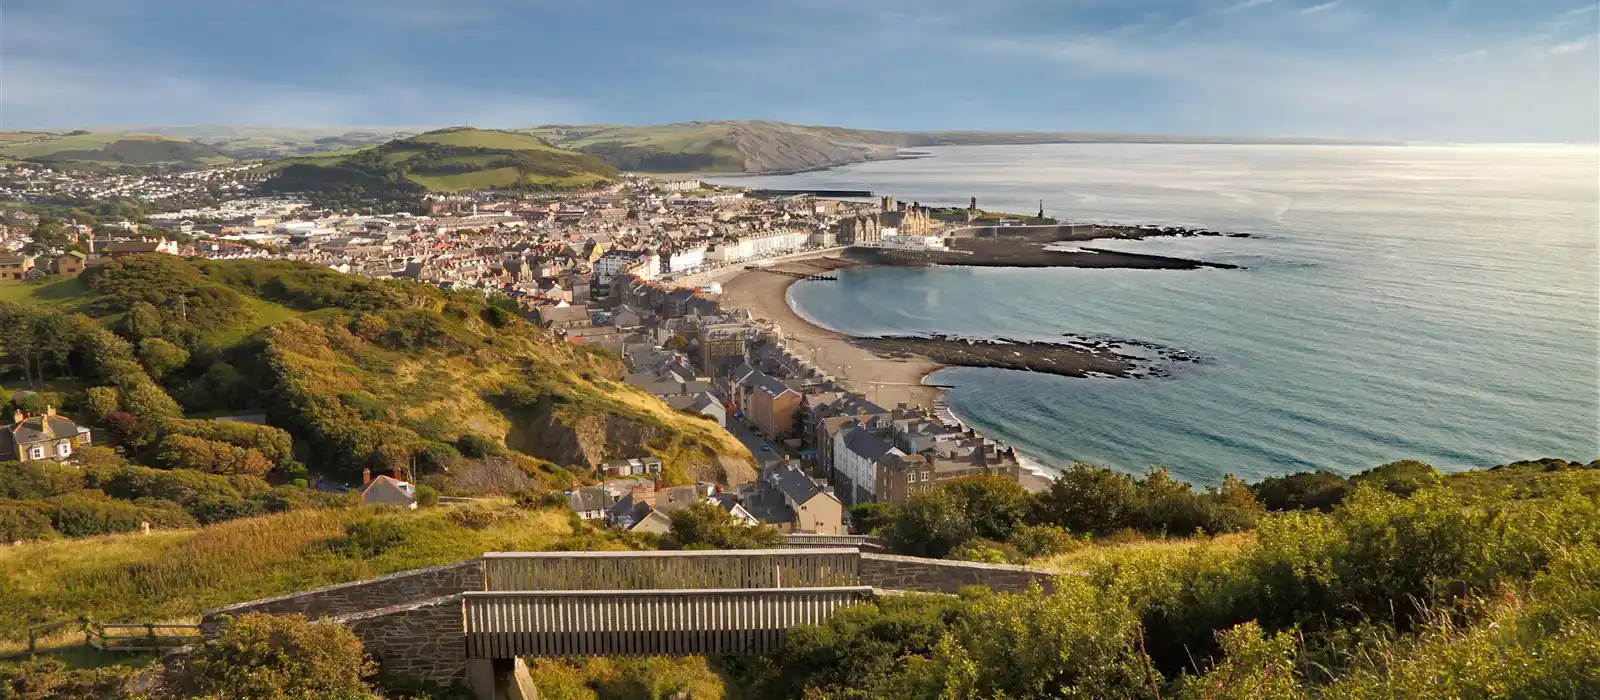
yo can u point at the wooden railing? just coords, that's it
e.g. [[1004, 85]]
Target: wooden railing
[[501, 625], [129, 637], [671, 570]]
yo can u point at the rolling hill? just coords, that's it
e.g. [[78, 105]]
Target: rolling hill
[[108, 149], [447, 160], [769, 147], [250, 142]]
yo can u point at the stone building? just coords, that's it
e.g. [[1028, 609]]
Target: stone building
[[47, 436]]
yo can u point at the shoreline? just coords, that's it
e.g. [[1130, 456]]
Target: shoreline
[[884, 380]]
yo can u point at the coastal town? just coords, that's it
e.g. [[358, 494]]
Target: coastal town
[[681, 280]]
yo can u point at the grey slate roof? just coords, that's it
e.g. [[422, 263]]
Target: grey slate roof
[[795, 484], [589, 498], [32, 429], [868, 445]]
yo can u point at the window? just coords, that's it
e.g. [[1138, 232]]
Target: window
[[64, 449], [36, 453], [925, 476]]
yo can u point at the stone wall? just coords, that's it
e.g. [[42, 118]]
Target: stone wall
[[422, 640], [890, 571], [371, 594]]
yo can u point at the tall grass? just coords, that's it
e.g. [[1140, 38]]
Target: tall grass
[[176, 575]]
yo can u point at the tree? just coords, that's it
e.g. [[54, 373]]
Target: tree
[[869, 518], [160, 357], [129, 429], [706, 525], [1089, 499], [184, 452], [1313, 490], [1401, 478], [929, 524], [279, 657], [103, 400]]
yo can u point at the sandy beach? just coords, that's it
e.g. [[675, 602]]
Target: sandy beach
[[886, 381]]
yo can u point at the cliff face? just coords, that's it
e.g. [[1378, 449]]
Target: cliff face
[[565, 437], [769, 148]]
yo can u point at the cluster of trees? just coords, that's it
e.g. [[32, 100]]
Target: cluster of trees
[[103, 494], [161, 296], [1431, 595], [705, 525], [994, 519]]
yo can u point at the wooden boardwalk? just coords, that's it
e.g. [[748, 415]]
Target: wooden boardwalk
[[801, 567], [501, 625]]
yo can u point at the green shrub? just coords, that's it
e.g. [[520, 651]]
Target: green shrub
[[52, 679], [38, 479], [706, 525], [477, 446], [371, 536], [273, 657], [23, 521], [427, 496], [91, 513]]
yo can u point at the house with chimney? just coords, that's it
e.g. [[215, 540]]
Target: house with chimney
[[46, 436], [786, 498]]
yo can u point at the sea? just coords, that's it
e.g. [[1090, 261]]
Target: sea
[[1438, 303]]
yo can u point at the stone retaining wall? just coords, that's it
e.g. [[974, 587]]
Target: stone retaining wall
[[420, 640], [890, 571], [357, 596]]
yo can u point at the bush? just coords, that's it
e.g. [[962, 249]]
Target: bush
[[273, 657], [477, 446], [475, 517], [427, 496], [39, 479], [91, 513], [160, 357], [52, 679], [21, 521], [371, 536], [184, 452], [706, 525], [869, 518]]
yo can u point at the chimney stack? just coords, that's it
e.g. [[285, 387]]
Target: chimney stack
[[366, 476]]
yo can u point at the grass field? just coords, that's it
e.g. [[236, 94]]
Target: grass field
[[173, 576], [81, 142], [60, 293], [482, 138], [1097, 555]]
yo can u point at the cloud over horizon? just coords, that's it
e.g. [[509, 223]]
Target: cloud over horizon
[[1433, 70]]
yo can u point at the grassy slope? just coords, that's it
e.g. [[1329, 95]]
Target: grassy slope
[[84, 146], [174, 575], [532, 161]]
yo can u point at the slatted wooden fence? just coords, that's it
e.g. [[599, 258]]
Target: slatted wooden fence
[[503, 625], [810, 567]]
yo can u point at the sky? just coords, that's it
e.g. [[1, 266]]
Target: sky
[[1425, 70]]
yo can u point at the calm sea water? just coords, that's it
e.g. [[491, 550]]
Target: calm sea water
[[1439, 304]]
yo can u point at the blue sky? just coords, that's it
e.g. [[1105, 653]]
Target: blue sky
[[1438, 70]]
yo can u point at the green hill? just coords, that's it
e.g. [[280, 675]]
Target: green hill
[[768, 146], [448, 160], [351, 373], [714, 146], [274, 142], [109, 149]]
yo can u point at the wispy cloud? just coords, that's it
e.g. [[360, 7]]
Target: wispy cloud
[[1573, 46], [1245, 5], [1324, 7]]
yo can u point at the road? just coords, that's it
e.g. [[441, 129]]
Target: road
[[755, 442]]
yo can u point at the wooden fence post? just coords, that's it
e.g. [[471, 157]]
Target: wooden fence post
[[150, 628]]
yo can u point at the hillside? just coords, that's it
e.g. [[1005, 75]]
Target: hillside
[[722, 146], [108, 149], [768, 147], [351, 373], [447, 160], [250, 142]]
